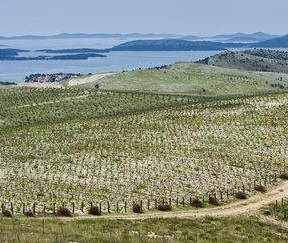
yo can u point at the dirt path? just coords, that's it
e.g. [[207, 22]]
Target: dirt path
[[249, 206], [88, 79]]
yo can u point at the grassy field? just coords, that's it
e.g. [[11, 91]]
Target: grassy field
[[207, 230], [278, 210], [196, 79]]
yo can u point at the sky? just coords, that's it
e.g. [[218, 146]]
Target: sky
[[193, 17]]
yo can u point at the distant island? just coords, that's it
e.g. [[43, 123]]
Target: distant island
[[12, 55], [50, 78], [174, 45], [6, 83], [78, 50], [279, 42], [184, 45], [9, 52], [81, 56]]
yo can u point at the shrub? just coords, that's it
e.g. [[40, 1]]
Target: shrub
[[63, 212], [164, 207], [29, 214], [260, 188], [94, 210], [241, 195], [267, 212], [196, 203], [284, 176], [214, 201], [7, 213], [137, 208]]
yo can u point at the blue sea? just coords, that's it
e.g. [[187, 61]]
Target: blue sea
[[16, 71]]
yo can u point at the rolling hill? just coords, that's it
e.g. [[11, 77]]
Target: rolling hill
[[194, 79], [254, 60], [87, 36]]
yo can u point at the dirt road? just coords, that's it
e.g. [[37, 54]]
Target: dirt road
[[88, 79], [243, 207]]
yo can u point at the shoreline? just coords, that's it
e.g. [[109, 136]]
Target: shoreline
[[81, 80]]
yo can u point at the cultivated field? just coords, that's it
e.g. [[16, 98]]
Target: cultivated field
[[79, 147]]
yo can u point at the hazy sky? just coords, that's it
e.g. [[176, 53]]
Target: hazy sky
[[199, 17]]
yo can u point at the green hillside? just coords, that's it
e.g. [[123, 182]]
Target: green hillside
[[253, 60], [196, 79]]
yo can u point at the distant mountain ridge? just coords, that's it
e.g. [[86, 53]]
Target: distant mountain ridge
[[279, 42], [240, 37], [87, 36], [258, 36]]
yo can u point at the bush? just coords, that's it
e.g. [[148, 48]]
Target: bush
[[63, 212], [94, 210], [214, 201], [7, 213], [196, 203], [284, 176], [137, 208], [164, 207], [241, 195], [267, 212], [260, 188], [29, 214]]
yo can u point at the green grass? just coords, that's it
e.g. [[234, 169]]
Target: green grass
[[278, 210], [207, 230], [195, 79]]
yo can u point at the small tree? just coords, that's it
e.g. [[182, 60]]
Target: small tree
[[137, 208], [94, 210], [63, 212]]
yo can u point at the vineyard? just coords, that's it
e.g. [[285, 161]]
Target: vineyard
[[26, 106], [79, 147]]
